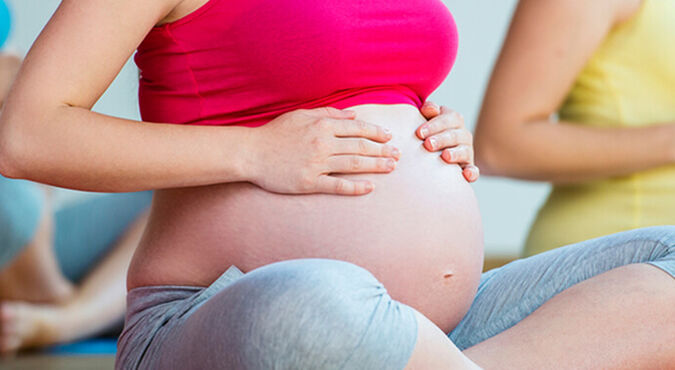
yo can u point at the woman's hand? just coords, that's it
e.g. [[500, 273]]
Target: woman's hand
[[300, 151], [445, 131]]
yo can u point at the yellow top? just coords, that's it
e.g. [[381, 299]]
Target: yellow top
[[629, 82]]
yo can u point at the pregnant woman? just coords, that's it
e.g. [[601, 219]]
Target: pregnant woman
[[253, 257]]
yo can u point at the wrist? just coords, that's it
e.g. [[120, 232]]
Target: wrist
[[668, 144], [244, 157], [671, 144]]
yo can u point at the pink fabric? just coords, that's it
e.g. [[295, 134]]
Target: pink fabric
[[247, 62]]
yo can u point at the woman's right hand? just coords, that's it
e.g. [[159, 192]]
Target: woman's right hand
[[300, 152]]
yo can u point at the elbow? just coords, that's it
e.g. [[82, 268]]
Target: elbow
[[487, 158], [486, 163], [11, 149], [491, 157], [8, 168]]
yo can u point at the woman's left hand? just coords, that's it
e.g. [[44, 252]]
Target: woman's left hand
[[445, 131]]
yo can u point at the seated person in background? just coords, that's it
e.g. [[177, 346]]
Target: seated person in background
[[63, 260], [62, 270], [608, 69]]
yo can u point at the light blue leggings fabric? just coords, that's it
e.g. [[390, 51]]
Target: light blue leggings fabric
[[21, 204], [83, 231], [326, 314]]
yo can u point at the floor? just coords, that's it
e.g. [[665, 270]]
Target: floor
[[48, 362]]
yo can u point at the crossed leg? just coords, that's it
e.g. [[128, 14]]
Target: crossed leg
[[40, 306], [600, 303], [594, 304]]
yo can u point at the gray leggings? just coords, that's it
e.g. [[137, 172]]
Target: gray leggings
[[326, 314]]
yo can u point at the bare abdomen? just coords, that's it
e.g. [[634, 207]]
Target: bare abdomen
[[419, 232]]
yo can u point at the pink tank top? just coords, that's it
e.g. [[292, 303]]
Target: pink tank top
[[247, 62]]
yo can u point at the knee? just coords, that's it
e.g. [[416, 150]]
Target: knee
[[659, 236], [21, 208], [328, 292], [317, 279], [318, 313]]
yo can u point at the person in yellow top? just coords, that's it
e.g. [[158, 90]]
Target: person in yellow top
[[607, 68]]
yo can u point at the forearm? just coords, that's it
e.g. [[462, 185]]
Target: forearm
[[75, 148], [567, 153], [541, 60]]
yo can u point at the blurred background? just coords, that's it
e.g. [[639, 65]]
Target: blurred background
[[508, 207]]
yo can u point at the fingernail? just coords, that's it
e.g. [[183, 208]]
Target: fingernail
[[396, 153], [391, 164], [432, 143], [472, 175], [369, 187], [424, 132], [387, 132]]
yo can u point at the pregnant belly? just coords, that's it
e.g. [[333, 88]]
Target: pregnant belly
[[419, 232]]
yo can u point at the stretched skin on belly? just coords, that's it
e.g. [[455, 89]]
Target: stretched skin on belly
[[419, 232]]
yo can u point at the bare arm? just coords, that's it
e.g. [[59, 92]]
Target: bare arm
[[9, 65], [548, 44], [48, 133]]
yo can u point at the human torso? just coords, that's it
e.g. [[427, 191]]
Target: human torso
[[419, 232], [628, 82]]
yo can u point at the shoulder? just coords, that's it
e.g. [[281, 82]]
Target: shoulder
[[625, 9], [612, 10]]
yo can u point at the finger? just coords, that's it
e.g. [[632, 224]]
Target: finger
[[458, 155], [330, 112], [366, 148], [448, 139], [335, 185], [360, 164], [471, 173], [448, 119], [363, 129], [430, 110]]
